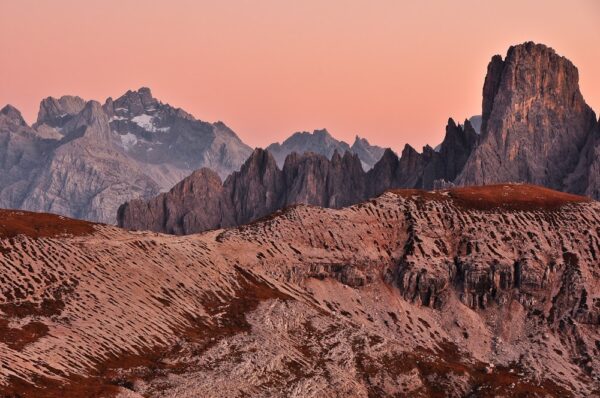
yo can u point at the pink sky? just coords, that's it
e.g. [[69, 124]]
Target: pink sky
[[390, 71]]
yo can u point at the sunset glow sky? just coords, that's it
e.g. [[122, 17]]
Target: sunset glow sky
[[390, 71]]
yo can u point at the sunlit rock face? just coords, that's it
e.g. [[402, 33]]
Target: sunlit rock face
[[535, 123]]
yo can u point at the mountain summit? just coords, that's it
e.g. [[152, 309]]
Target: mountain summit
[[535, 123]]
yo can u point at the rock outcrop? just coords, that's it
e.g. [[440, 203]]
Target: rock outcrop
[[55, 113], [482, 291], [322, 143], [535, 122], [83, 159]]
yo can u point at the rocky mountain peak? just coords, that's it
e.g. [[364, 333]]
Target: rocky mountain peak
[[368, 154], [490, 87], [534, 120], [133, 103], [464, 135], [259, 162], [55, 112], [12, 115], [359, 141], [323, 143]]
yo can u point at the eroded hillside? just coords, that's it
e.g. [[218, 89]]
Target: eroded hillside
[[487, 291]]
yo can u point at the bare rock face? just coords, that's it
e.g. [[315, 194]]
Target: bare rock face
[[156, 133], [476, 123], [82, 159], [322, 143], [11, 118], [313, 179], [585, 179], [479, 291], [22, 152], [255, 191], [385, 173], [535, 122], [456, 148]]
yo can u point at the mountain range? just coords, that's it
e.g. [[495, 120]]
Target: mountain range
[[535, 127], [311, 270], [322, 143], [201, 201], [83, 159]]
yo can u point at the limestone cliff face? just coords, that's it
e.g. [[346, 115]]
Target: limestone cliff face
[[85, 176], [535, 122], [55, 112], [585, 180], [22, 153], [194, 203], [255, 191]]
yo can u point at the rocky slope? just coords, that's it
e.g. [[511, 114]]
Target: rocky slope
[[82, 159], [535, 123], [486, 292], [201, 202], [322, 143]]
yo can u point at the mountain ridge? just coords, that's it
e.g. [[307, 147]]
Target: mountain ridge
[[323, 143], [262, 187], [535, 127], [88, 158]]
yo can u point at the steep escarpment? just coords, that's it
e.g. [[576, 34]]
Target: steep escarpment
[[261, 187], [535, 123], [487, 291]]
